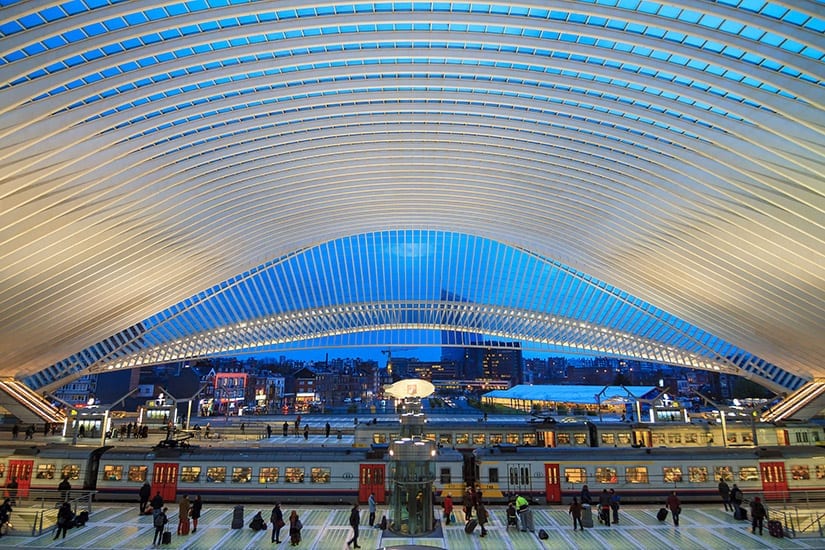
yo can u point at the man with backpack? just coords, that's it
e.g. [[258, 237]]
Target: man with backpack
[[159, 520]]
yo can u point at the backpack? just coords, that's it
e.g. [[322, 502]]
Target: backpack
[[158, 522]]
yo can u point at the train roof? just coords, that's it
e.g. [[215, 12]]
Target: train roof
[[293, 453]]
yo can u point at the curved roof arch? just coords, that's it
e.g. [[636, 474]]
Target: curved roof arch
[[153, 149]]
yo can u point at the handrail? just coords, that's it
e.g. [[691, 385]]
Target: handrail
[[43, 504]]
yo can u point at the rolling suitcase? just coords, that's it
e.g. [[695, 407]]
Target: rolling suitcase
[[470, 526], [740, 514], [661, 515], [775, 528], [166, 538]]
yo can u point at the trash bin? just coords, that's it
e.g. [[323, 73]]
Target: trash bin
[[587, 515], [237, 517]]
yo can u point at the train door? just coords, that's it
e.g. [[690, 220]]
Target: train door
[[165, 481], [21, 471], [547, 438], [784, 437], [774, 483], [371, 480], [519, 478], [553, 483]]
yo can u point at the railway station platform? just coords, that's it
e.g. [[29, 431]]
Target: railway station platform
[[326, 528]]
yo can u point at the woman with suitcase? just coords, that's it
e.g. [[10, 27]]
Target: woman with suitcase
[[675, 506]]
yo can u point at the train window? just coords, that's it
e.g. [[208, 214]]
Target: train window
[[430, 437], [606, 475], [496, 439], [820, 471], [801, 437], [268, 475], [747, 437], [563, 439], [379, 438], [136, 473], [445, 439], [462, 439], [320, 475], [672, 474], [241, 474], [530, 439], [479, 439], [697, 474], [190, 474], [112, 472], [624, 438], [706, 438], [216, 474], [70, 471], [45, 471], [658, 438], [691, 437], [608, 439], [293, 474], [2, 471], [731, 438], [636, 474], [674, 438], [575, 475], [580, 439], [513, 438], [723, 473], [446, 476], [748, 473], [800, 472], [492, 475]]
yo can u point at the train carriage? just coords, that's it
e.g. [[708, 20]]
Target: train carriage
[[553, 475]]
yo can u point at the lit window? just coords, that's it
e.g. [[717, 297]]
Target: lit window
[[697, 474], [748, 473], [608, 439], [563, 439], [462, 439], [70, 471], [293, 474], [190, 474], [137, 473], [606, 475], [513, 438], [672, 474], [530, 439], [112, 472], [820, 471], [379, 437], [320, 475], [445, 439], [575, 475], [45, 471], [580, 438], [800, 472], [673, 438], [216, 474], [636, 474], [479, 439], [268, 475], [723, 473], [241, 475], [624, 438], [2, 470]]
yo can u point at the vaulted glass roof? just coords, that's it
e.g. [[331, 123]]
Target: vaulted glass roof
[[151, 150]]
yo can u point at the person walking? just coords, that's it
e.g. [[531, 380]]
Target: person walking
[[724, 492], [575, 512], [448, 508], [15, 431], [372, 506], [268, 431], [306, 432], [5, 514], [65, 489], [183, 515], [295, 527], [286, 428], [276, 518], [157, 502], [758, 514], [327, 427], [197, 506], [64, 520], [483, 518], [159, 521], [615, 501], [675, 506], [30, 432], [585, 495], [143, 494], [354, 522], [604, 507], [736, 498]]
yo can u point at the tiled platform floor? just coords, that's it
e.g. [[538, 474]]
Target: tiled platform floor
[[325, 528]]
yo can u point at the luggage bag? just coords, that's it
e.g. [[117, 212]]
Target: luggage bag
[[166, 538], [470, 526], [740, 514], [661, 515], [775, 528]]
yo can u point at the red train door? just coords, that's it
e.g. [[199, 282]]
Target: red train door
[[774, 483], [21, 471], [371, 480], [165, 481], [553, 487]]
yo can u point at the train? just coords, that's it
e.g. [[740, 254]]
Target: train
[[579, 432], [333, 475]]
